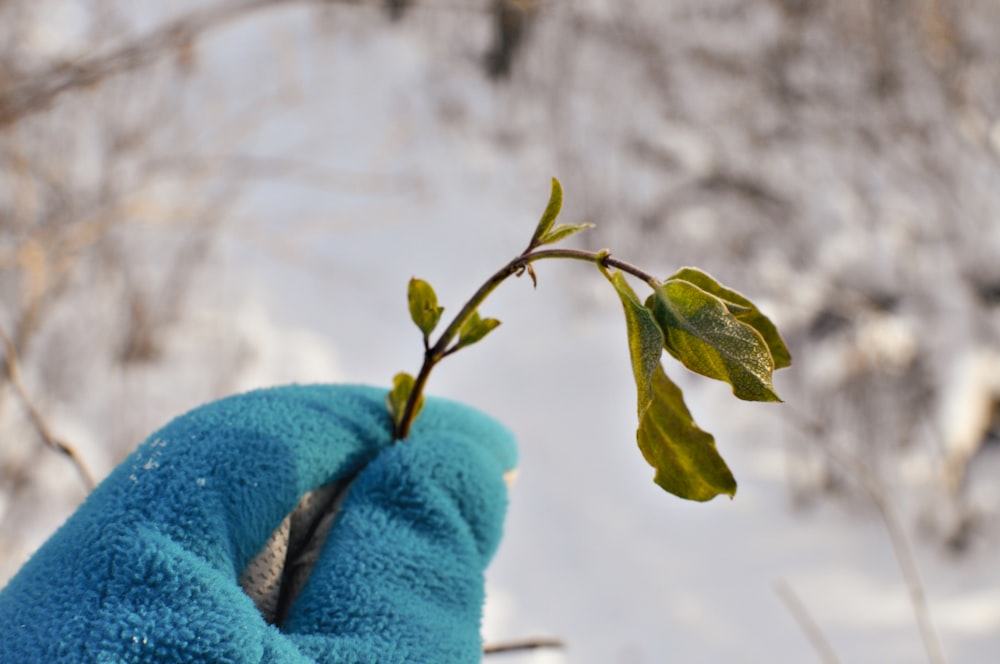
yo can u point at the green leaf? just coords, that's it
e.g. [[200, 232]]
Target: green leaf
[[561, 232], [645, 340], [550, 214], [402, 387], [745, 310], [424, 309], [700, 331], [474, 329], [686, 461]]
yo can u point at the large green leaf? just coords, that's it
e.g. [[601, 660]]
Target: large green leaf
[[645, 340], [745, 310], [700, 331], [684, 456], [686, 461], [424, 309]]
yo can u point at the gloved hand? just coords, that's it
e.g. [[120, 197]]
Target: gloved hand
[[146, 570]]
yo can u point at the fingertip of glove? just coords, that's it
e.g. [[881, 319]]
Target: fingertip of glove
[[445, 483], [440, 417], [444, 419]]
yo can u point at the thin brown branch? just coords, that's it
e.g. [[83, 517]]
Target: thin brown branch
[[39, 93], [517, 266], [521, 646], [41, 426]]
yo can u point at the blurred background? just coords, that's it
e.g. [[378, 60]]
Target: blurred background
[[199, 198]]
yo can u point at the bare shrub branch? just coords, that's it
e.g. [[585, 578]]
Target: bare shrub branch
[[37, 420]]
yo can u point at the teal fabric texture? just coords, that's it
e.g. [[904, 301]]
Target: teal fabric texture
[[146, 569]]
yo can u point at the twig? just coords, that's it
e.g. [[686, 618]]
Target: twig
[[806, 622], [20, 100], [23, 99], [14, 376], [520, 646], [440, 349], [897, 537], [911, 572]]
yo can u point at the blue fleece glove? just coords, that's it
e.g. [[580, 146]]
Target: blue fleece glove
[[146, 570]]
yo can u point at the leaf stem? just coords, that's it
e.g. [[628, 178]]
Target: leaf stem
[[602, 258], [441, 348]]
